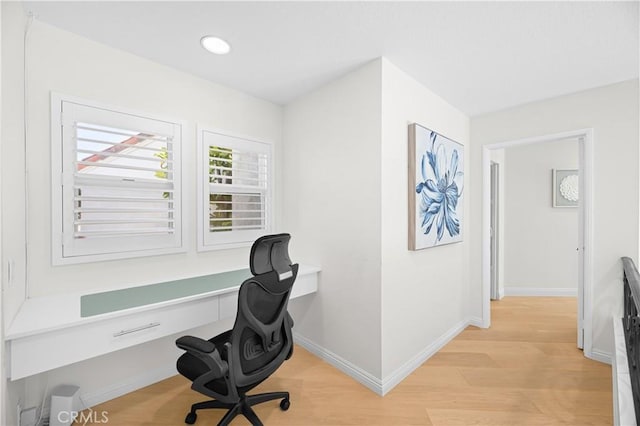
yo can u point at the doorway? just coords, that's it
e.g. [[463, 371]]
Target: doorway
[[584, 249]]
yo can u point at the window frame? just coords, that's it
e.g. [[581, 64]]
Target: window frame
[[204, 243], [60, 177]]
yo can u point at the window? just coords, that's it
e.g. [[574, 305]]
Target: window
[[235, 198], [116, 183]]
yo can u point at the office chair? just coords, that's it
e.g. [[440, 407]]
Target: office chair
[[229, 365]]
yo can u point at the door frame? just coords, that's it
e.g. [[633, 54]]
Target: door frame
[[494, 235], [585, 139]]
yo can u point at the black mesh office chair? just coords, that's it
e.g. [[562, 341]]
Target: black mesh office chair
[[229, 365]]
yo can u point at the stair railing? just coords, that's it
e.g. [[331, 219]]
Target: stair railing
[[631, 323]]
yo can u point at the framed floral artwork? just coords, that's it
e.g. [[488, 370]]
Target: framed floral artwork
[[436, 189], [565, 188]]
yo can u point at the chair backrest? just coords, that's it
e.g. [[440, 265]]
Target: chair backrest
[[261, 338]]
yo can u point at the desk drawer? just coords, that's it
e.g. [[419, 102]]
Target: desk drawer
[[42, 352], [228, 305]]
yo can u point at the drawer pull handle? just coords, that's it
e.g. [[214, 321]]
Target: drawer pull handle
[[134, 330]]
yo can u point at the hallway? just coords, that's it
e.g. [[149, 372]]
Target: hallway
[[524, 370]]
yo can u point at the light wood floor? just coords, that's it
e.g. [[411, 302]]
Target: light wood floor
[[524, 370]]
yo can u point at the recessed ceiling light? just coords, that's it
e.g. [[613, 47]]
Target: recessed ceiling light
[[215, 45]]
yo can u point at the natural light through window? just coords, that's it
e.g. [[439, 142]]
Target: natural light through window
[[236, 189], [120, 184]]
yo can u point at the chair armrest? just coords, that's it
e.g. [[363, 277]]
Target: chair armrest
[[195, 343], [205, 351]]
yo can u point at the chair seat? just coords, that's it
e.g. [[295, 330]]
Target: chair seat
[[192, 367]]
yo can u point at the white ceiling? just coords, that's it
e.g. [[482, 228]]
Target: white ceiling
[[479, 56]]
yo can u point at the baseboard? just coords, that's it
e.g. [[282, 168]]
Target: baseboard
[[477, 322], [600, 356], [351, 370], [107, 393], [382, 387], [540, 291], [410, 366]]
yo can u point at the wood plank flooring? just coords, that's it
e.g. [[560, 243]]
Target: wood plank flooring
[[524, 370]]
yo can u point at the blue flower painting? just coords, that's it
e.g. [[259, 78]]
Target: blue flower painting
[[437, 188]]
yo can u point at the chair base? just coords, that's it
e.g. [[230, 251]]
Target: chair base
[[241, 407]]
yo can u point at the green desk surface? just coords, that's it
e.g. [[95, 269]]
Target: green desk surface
[[117, 300]]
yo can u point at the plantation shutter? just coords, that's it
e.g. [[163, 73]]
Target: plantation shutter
[[121, 175], [235, 189]]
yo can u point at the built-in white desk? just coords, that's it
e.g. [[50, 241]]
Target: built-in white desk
[[54, 331]]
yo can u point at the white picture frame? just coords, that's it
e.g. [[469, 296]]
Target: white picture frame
[[436, 189], [565, 188]]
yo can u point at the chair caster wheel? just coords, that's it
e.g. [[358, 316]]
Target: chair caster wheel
[[191, 418], [284, 404]]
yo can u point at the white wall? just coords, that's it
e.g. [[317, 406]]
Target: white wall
[[345, 186], [331, 187], [12, 182], [612, 111], [66, 63], [540, 240], [425, 292]]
